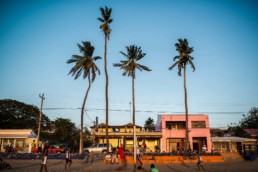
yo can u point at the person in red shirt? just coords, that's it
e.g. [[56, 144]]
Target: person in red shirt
[[121, 153]]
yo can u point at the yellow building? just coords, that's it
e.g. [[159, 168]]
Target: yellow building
[[123, 134], [19, 138]]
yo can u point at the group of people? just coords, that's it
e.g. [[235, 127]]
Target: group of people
[[41, 145], [114, 157], [68, 160], [120, 153]]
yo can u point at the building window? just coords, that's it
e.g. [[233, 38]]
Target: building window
[[198, 124], [115, 129], [175, 125]]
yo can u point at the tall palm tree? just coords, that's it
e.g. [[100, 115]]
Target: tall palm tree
[[105, 22], [134, 54], [129, 65], [182, 60], [85, 65]]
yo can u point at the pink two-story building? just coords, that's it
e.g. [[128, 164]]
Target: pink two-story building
[[173, 129]]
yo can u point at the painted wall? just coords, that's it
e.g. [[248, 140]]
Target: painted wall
[[181, 133]]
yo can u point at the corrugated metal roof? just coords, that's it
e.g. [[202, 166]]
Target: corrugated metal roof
[[235, 139]]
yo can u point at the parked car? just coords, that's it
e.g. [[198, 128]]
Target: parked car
[[52, 149], [98, 148]]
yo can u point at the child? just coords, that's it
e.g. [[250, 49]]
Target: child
[[153, 168], [68, 158], [108, 159]]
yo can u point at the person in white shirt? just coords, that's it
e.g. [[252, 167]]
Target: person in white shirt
[[204, 149], [138, 156], [44, 161]]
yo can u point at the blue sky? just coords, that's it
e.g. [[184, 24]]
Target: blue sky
[[38, 37]]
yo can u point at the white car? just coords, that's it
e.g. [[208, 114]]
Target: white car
[[98, 148]]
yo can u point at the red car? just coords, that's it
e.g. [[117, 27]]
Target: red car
[[52, 149]]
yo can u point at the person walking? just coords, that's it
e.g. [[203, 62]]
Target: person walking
[[44, 161], [68, 159], [138, 157], [200, 162]]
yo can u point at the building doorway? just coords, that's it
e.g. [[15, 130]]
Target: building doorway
[[175, 144], [198, 143]]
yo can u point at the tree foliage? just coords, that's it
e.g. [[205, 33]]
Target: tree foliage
[[84, 64], [130, 64], [106, 20], [184, 56], [249, 121], [149, 125], [182, 60], [18, 115], [65, 131]]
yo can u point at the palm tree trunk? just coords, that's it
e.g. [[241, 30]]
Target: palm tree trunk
[[186, 111], [133, 100], [134, 128], [106, 74], [82, 112]]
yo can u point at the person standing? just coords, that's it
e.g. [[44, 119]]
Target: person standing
[[144, 146], [33, 146], [40, 146], [68, 159], [204, 149], [120, 151], [44, 161]]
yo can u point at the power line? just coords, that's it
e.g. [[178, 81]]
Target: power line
[[148, 111]]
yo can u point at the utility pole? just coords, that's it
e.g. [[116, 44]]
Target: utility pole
[[40, 116]]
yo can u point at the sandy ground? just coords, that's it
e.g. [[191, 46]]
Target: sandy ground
[[236, 165]]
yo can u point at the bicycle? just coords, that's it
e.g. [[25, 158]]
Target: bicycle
[[145, 152], [190, 154]]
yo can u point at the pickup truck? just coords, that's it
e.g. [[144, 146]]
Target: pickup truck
[[98, 148]]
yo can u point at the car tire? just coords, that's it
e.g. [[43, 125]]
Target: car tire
[[104, 151]]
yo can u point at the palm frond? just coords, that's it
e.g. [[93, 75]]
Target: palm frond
[[93, 73], [192, 65], [101, 20], [184, 57], [117, 64], [124, 54], [171, 67], [96, 58], [179, 69], [134, 54], [110, 21], [84, 64], [144, 67], [176, 57], [77, 73]]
